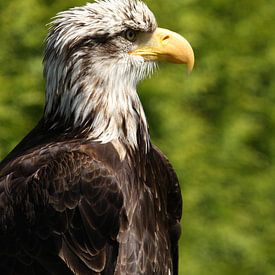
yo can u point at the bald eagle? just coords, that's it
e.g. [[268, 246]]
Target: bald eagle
[[86, 192]]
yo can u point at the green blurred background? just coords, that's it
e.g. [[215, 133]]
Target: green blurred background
[[217, 126]]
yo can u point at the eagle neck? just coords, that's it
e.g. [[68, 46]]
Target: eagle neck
[[103, 111], [122, 119]]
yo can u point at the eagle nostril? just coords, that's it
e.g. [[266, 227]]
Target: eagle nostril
[[165, 39]]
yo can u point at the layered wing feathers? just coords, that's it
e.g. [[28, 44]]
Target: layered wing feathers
[[65, 196]]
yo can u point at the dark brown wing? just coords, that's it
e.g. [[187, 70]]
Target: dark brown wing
[[62, 199], [174, 202]]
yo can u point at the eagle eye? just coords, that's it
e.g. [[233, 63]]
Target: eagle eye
[[130, 35]]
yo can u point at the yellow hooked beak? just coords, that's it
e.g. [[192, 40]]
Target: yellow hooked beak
[[165, 45]]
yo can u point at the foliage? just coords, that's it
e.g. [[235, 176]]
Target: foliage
[[216, 126]]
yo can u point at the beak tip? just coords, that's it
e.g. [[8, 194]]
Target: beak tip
[[190, 69], [190, 65]]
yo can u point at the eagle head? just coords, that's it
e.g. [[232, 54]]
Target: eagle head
[[94, 57]]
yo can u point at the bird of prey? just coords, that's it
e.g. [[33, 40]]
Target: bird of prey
[[86, 192]]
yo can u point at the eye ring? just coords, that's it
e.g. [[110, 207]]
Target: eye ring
[[130, 35]]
